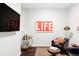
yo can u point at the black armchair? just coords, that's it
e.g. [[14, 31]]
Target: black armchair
[[63, 47]]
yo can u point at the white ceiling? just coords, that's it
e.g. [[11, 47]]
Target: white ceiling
[[46, 5]]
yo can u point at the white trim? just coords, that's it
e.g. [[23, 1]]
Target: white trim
[[40, 45]]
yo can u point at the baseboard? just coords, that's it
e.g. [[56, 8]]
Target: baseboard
[[19, 54], [40, 46]]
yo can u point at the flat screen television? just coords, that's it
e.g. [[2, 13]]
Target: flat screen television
[[9, 19]]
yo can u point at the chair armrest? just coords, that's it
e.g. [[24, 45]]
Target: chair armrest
[[57, 45]]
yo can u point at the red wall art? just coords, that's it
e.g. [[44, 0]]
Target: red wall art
[[44, 26]]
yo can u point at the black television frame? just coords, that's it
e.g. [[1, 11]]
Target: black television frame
[[9, 19]]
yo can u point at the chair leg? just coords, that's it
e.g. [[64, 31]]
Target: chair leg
[[67, 53]]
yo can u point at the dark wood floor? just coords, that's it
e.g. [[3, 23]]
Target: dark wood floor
[[28, 52]]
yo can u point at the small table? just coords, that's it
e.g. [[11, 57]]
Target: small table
[[54, 52]]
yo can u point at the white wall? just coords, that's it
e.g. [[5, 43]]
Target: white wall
[[10, 42], [31, 15], [73, 20]]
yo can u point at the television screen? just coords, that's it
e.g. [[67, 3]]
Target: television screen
[[9, 19]]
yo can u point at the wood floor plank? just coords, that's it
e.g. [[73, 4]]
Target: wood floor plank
[[28, 52]]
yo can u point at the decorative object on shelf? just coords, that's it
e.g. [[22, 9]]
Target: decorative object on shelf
[[26, 41]]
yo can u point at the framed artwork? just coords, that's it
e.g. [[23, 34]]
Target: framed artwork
[[44, 26]]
